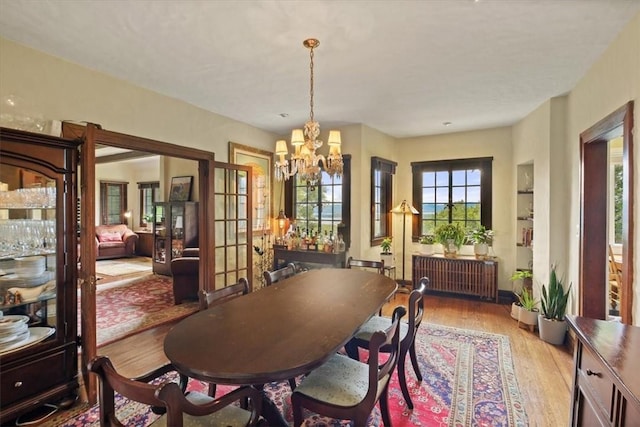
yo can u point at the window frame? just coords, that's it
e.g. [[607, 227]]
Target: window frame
[[105, 203], [386, 169], [344, 228], [484, 164], [154, 186]]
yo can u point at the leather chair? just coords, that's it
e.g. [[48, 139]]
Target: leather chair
[[348, 389], [186, 275], [362, 263], [190, 409], [408, 333]]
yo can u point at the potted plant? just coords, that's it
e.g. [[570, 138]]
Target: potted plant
[[451, 236], [552, 324], [528, 313], [526, 277], [481, 237], [426, 244], [386, 254], [147, 220]]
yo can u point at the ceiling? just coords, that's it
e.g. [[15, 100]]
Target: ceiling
[[402, 67]]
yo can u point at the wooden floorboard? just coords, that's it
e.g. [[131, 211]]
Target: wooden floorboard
[[543, 370]]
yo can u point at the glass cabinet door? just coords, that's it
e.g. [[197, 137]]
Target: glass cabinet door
[[28, 263], [160, 232], [177, 230]]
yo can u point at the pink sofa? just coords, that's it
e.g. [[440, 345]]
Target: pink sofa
[[115, 241]]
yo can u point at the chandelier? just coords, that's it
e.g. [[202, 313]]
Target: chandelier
[[305, 161]]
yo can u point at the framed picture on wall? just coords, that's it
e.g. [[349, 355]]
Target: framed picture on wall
[[261, 162], [180, 188]]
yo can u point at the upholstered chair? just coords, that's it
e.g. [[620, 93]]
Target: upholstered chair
[[348, 389], [408, 331]]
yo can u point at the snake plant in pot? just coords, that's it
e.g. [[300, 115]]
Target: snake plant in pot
[[552, 324]]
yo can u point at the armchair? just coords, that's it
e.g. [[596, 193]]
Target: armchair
[[115, 241]]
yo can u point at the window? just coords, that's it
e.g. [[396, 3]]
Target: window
[[113, 202], [323, 209], [149, 194], [382, 171], [452, 191]]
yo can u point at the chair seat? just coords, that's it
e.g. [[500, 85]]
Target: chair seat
[[229, 416], [379, 323], [341, 381]]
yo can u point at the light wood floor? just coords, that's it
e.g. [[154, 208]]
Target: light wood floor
[[543, 370]]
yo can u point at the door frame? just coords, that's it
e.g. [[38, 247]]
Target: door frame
[[91, 135], [593, 215]]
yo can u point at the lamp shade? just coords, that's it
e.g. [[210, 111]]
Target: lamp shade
[[334, 138], [281, 147], [297, 137], [404, 207]]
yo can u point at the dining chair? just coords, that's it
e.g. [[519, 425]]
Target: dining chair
[[408, 332], [348, 389], [191, 408], [272, 277], [615, 280], [363, 263], [209, 299]]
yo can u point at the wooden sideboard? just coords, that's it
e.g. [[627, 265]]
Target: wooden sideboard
[[462, 275], [606, 378], [282, 257], [144, 246]]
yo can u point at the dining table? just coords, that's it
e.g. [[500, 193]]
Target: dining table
[[277, 332]]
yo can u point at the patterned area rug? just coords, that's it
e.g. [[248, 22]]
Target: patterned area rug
[[134, 305], [469, 380]]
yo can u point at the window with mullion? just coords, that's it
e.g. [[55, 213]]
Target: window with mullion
[[149, 194], [452, 191], [382, 171], [324, 208]]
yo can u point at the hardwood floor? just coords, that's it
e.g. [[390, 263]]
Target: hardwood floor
[[544, 371]]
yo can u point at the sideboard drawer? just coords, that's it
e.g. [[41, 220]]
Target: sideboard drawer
[[33, 378], [596, 377]]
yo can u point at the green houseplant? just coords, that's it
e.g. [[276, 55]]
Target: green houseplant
[[554, 300], [451, 236], [528, 313], [386, 254], [481, 238], [426, 244], [526, 279]]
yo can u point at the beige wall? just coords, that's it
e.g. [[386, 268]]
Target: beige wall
[[64, 91], [494, 143], [549, 136], [613, 81]]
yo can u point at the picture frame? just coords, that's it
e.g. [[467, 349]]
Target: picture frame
[[261, 163], [181, 188]]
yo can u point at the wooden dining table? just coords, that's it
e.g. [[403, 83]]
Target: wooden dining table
[[278, 332]]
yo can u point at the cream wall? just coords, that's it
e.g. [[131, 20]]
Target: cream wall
[[64, 91], [494, 143], [549, 136], [539, 139], [133, 171], [613, 81]]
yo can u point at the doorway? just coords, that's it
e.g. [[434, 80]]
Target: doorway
[[596, 215], [92, 135]]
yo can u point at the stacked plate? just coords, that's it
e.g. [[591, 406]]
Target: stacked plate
[[30, 267], [13, 330]]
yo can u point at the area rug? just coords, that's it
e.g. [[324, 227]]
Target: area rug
[[121, 268], [469, 380], [134, 305]]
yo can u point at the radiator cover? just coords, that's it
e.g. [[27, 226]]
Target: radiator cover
[[463, 275]]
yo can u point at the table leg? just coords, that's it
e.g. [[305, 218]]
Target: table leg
[[270, 411]]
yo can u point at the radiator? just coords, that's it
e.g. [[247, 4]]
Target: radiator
[[467, 276]]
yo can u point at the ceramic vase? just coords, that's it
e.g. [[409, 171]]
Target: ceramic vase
[[552, 331]]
